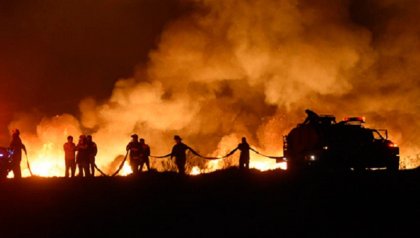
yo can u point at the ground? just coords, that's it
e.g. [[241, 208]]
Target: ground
[[224, 203]]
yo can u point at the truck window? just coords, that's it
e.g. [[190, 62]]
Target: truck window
[[377, 135]]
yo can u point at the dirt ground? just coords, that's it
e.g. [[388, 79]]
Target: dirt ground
[[220, 204]]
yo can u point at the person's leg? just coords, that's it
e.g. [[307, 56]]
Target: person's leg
[[73, 168], [80, 166], [92, 168], [181, 166], [141, 166], [134, 167], [17, 173], [67, 168], [86, 169], [148, 164]]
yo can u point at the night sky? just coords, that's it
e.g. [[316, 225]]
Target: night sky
[[54, 53]]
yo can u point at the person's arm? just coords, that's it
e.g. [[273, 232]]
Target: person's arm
[[148, 151], [173, 152], [24, 148], [253, 150], [193, 151], [231, 153]]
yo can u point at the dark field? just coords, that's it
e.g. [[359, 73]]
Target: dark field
[[221, 204]]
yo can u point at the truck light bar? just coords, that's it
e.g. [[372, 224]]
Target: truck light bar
[[392, 145], [357, 119]]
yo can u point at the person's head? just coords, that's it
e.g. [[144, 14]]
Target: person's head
[[16, 132], [177, 139], [141, 141], [82, 138], [70, 138], [89, 138], [135, 137], [243, 140]]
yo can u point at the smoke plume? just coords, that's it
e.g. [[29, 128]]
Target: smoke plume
[[249, 68]]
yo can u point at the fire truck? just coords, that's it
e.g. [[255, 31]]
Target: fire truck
[[325, 144], [5, 161]]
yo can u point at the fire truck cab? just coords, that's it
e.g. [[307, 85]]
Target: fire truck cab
[[5, 161], [343, 145]]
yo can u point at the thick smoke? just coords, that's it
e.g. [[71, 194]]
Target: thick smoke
[[249, 68]]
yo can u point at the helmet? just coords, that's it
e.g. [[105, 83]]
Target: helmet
[[16, 132]]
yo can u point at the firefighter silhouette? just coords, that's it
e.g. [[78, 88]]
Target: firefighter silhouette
[[312, 117], [16, 146], [244, 148], [69, 157], [135, 150], [144, 155], [179, 152], [92, 151], [82, 157]]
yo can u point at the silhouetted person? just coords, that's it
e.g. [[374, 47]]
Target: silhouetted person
[[82, 157], [135, 150], [92, 151], [16, 146], [312, 117], [244, 156], [69, 157], [178, 151], [144, 155]]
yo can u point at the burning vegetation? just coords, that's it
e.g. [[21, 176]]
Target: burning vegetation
[[249, 68]]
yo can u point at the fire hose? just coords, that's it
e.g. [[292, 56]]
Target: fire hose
[[100, 171], [28, 165], [116, 172], [121, 165], [193, 151], [267, 156], [205, 157], [161, 157], [170, 154]]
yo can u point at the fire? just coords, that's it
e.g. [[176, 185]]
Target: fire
[[126, 170], [253, 76], [195, 171], [47, 162], [265, 166]]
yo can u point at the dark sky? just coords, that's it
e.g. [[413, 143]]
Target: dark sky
[[54, 53]]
